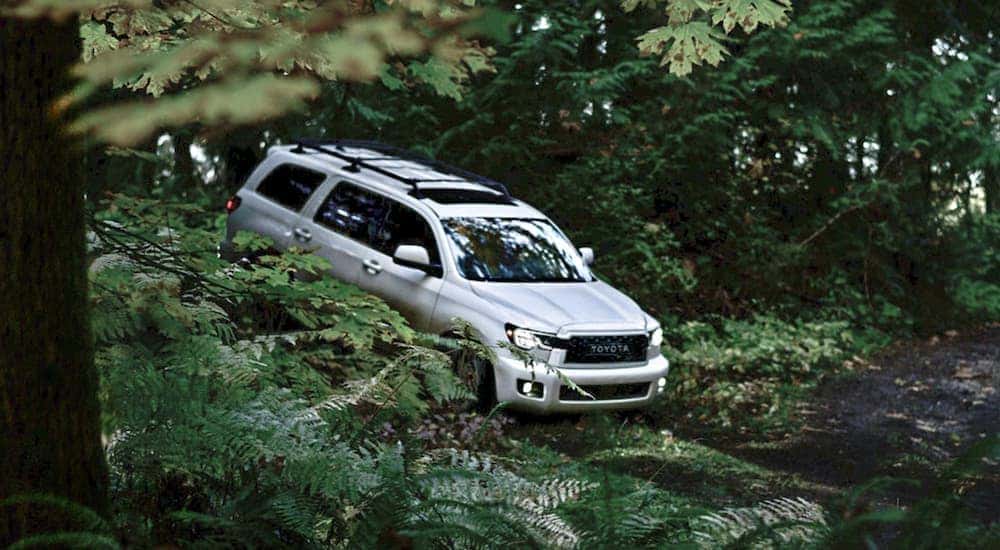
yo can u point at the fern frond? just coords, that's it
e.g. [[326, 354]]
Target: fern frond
[[781, 520]]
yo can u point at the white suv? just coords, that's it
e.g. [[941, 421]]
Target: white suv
[[439, 243]]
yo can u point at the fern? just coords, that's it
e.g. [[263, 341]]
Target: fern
[[232, 432], [773, 523], [93, 533], [476, 492]]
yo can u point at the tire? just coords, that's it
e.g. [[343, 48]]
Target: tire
[[486, 386], [477, 374]]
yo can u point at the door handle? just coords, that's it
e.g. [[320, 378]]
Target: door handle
[[372, 267], [303, 235]]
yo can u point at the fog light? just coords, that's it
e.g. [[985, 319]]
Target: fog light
[[530, 389], [660, 385]]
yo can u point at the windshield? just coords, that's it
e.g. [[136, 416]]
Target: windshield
[[514, 250]]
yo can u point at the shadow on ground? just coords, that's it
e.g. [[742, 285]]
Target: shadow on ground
[[906, 413]]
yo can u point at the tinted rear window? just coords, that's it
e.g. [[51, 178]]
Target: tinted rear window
[[290, 186]]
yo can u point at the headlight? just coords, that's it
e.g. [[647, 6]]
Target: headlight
[[529, 339], [656, 338]]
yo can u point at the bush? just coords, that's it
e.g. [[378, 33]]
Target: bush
[[739, 370], [976, 287]]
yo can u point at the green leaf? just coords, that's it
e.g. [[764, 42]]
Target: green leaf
[[235, 101], [748, 14], [690, 38], [682, 11], [96, 40], [440, 76], [686, 45]]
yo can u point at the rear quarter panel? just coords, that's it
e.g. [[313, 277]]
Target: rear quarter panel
[[260, 215]]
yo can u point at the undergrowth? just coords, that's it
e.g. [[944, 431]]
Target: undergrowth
[[265, 406], [743, 370]]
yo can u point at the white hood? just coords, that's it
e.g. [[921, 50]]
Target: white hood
[[549, 307]]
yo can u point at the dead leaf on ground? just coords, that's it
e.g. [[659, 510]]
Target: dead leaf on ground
[[925, 426], [968, 373]]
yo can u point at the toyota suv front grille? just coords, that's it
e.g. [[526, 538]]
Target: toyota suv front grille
[[607, 349]]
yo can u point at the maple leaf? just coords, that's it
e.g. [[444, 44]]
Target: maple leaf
[[691, 37], [96, 40], [686, 45]]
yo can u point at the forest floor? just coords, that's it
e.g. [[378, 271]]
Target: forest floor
[[905, 413]]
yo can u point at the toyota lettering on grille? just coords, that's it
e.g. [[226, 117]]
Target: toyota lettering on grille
[[609, 349], [606, 349]]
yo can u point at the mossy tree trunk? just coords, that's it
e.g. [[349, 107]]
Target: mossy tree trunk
[[50, 439]]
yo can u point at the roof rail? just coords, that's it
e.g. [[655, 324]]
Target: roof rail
[[336, 149]]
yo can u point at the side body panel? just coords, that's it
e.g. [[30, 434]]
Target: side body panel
[[257, 214], [412, 292], [344, 254]]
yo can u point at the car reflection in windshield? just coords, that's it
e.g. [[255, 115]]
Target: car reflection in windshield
[[514, 250]]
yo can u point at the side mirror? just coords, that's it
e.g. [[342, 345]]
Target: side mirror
[[415, 257], [588, 255]]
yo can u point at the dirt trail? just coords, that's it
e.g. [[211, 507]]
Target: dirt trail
[[904, 414]]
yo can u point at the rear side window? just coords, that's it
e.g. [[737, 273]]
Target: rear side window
[[290, 185], [354, 212], [378, 222]]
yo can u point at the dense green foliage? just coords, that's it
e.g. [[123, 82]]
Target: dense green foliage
[[220, 62], [739, 372], [841, 169], [257, 406], [832, 185]]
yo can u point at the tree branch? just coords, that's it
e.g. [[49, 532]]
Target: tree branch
[[830, 223]]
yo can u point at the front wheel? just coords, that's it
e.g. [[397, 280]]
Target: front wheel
[[486, 385], [474, 369]]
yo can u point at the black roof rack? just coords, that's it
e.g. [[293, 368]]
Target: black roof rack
[[337, 149]]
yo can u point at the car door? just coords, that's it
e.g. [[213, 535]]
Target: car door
[[411, 291], [273, 209], [342, 227]]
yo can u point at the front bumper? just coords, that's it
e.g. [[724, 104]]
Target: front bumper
[[509, 370]]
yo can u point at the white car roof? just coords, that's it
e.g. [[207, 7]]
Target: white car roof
[[440, 181]]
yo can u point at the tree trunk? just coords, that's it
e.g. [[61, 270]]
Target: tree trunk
[[184, 170], [991, 174], [240, 158], [50, 439], [991, 187]]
